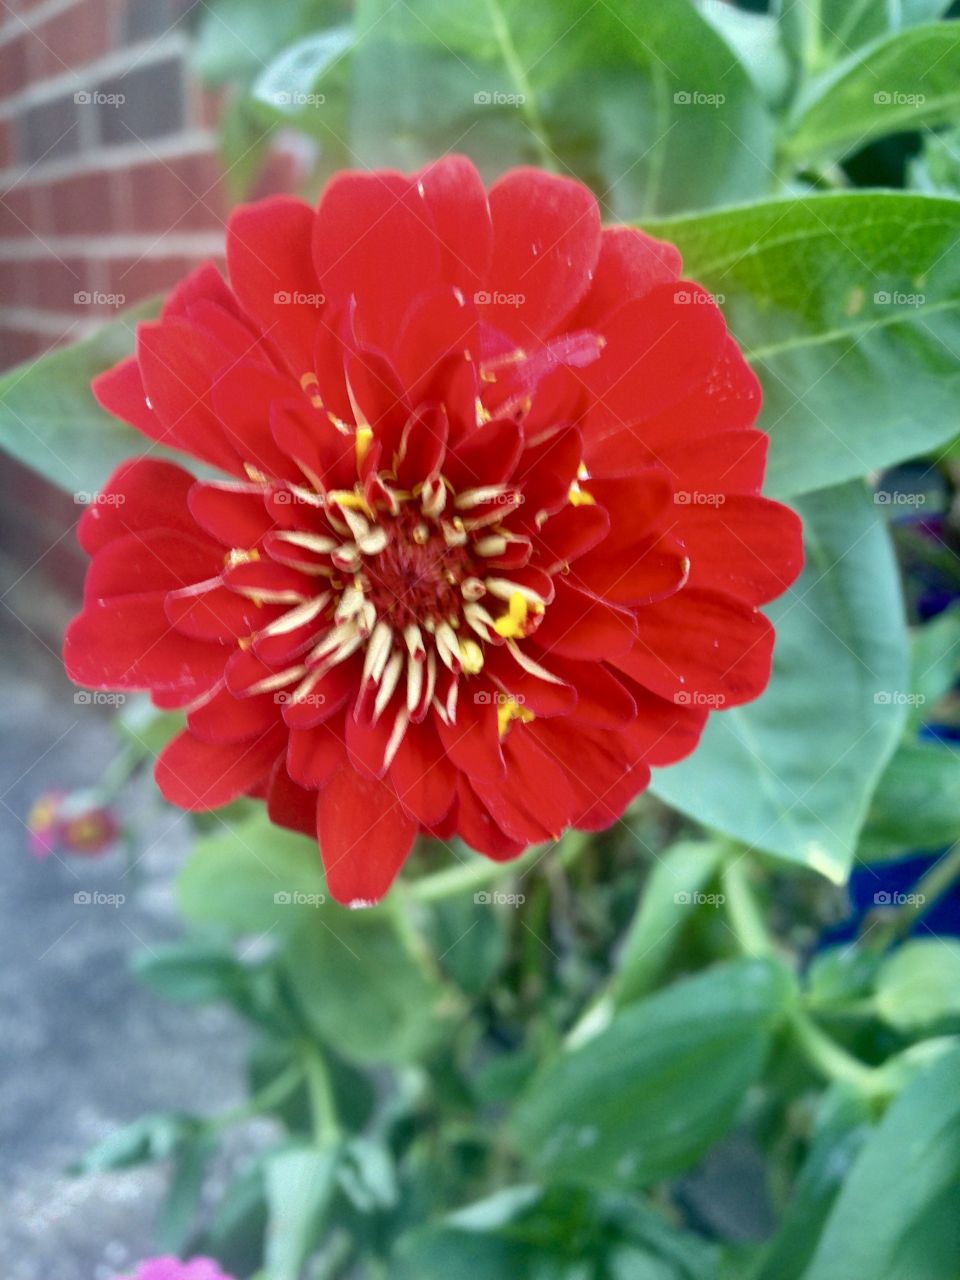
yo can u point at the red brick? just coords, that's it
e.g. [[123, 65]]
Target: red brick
[[17, 345], [14, 72], [282, 171], [83, 204], [182, 194], [18, 282], [71, 39], [140, 278], [57, 282], [6, 143], [17, 209]]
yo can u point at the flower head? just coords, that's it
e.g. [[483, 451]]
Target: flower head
[[490, 543], [75, 823], [168, 1268]]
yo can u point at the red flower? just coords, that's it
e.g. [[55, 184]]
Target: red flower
[[492, 543]]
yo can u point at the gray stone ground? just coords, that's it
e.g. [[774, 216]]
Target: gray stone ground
[[83, 1048]]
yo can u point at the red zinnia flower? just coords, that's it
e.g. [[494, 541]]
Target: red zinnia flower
[[492, 543]]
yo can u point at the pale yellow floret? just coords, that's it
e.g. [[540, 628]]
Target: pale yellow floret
[[471, 656], [508, 711], [511, 625], [364, 436]]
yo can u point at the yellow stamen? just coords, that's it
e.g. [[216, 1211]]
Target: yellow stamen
[[239, 556], [350, 500], [581, 497], [471, 657], [508, 711], [511, 625], [364, 436]]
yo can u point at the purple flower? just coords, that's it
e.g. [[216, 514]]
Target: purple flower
[[170, 1268]]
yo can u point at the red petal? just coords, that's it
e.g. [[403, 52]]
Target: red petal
[[315, 755], [154, 560], [120, 391], [546, 239], [457, 203], [289, 805], [223, 718], [197, 775], [141, 494], [473, 742], [479, 829], [129, 644], [750, 548], [243, 397], [230, 511], [374, 240], [571, 533], [422, 776], [364, 836], [577, 625], [700, 644], [631, 263], [270, 264]]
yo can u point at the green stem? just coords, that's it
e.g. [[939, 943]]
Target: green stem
[[476, 875], [531, 109], [326, 1126], [265, 1100], [745, 917], [830, 1059], [929, 889]]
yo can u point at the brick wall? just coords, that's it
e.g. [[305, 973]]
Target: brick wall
[[110, 189]]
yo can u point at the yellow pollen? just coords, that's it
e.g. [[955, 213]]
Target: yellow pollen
[[581, 497], [508, 711], [254, 474], [239, 556], [483, 414], [511, 625], [364, 436], [351, 500], [471, 657]]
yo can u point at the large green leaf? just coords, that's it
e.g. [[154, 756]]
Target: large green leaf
[[918, 987], [819, 33], [300, 1184], [643, 100], [235, 38], [793, 773], [896, 1217], [362, 989], [904, 82], [253, 877], [50, 421], [848, 307], [644, 1098], [916, 805]]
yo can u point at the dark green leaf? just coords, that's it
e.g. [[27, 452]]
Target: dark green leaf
[[300, 1184], [190, 972], [907, 81], [916, 805], [896, 1216], [178, 1213], [643, 1099]]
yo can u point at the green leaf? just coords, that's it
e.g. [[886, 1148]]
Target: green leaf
[[361, 988], [917, 803], [842, 1124], [145, 728], [178, 1213], [644, 101], [935, 659], [288, 87], [793, 773], [820, 33], [152, 1137], [936, 170], [253, 877], [842, 975], [908, 81], [190, 972], [840, 301], [647, 1096], [470, 942], [896, 1218], [757, 40], [236, 37], [670, 896], [918, 986], [50, 420], [300, 1185]]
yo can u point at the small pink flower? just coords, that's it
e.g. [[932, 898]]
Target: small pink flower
[[76, 824], [170, 1268]]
